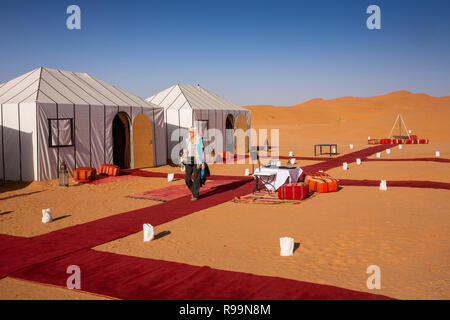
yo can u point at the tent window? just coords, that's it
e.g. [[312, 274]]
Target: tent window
[[60, 133], [202, 127]]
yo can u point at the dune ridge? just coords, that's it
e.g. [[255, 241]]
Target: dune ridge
[[347, 118]]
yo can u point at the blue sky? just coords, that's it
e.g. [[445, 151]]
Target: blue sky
[[250, 52]]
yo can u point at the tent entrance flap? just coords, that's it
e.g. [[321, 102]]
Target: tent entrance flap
[[241, 138], [142, 142], [229, 132], [121, 140]]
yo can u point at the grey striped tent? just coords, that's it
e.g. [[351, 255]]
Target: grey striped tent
[[186, 106], [48, 116]]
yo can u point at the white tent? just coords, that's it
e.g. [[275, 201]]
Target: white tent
[[187, 106], [48, 116]]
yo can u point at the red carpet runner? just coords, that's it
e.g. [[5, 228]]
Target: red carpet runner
[[407, 184], [27, 251], [129, 173], [127, 277], [176, 191], [349, 158], [411, 159]]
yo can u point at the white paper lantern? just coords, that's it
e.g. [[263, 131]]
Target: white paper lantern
[[438, 154], [292, 161], [378, 154], [148, 232], [358, 161], [46, 215], [334, 150], [287, 246], [351, 146], [291, 154], [388, 151], [368, 138], [170, 177], [247, 172], [383, 185], [400, 146], [345, 166]]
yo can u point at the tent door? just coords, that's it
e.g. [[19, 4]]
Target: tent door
[[142, 142], [121, 138], [229, 131], [241, 138]]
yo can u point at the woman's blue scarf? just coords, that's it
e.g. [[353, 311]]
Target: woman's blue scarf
[[200, 152]]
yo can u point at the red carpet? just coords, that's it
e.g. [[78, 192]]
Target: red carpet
[[25, 252], [177, 191], [305, 158], [411, 159], [127, 277], [349, 158], [129, 173], [150, 174], [407, 184]]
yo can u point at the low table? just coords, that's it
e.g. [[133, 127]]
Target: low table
[[267, 179], [275, 177], [332, 145]]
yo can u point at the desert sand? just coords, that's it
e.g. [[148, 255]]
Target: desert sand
[[405, 231], [79, 203]]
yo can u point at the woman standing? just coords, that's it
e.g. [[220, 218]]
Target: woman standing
[[194, 162]]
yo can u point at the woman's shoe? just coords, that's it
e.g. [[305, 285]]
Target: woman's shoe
[[194, 199]]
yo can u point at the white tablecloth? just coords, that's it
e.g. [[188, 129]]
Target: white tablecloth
[[283, 176]]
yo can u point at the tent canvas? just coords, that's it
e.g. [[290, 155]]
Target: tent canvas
[[48, 116], [186, 106]]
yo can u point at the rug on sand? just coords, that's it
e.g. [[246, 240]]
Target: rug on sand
[[127, 277], [174, 192], [263, 197]]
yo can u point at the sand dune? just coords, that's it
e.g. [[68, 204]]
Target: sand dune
[[356, 118]]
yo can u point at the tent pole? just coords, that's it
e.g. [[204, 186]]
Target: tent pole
[[390, 134], [404, 125]]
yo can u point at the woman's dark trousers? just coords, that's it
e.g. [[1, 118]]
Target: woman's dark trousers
[[194, 186]]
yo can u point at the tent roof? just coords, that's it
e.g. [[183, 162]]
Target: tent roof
[[47, 85], [180, 96]]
